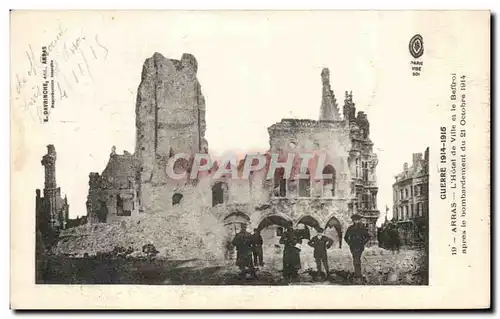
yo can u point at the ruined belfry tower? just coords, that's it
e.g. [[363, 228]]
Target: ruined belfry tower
[[170, 113]]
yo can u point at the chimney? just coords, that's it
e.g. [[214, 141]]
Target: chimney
[[405, 167]]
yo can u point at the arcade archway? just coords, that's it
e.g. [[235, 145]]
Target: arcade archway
[[275, 220], [233, 223], [237, 217], [334, 223], [310, 222]]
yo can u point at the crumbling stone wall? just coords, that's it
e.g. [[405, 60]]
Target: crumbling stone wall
[[170, 112]]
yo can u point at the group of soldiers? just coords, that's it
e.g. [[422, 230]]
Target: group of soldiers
[[250, 255]]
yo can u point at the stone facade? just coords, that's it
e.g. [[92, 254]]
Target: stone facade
[[171, 120], [411, 201], [52, 211], [114, 195]]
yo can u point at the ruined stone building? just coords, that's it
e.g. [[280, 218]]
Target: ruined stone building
[[411, 201], [170, 119], [52, 211]]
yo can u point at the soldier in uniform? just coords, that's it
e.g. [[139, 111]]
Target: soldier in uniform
[[291, 253], [321, 243], [242, 242], [356, 237], [257, 248]]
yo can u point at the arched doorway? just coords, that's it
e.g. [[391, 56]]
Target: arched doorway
[[233, 223], [271, 228], [275, 220], [237, 217], [310, 222], [334, 223]]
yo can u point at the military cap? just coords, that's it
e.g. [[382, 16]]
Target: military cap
[[356, 217]]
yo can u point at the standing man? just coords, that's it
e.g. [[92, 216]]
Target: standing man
[[291, 253], [394, 239], [356, 237], [257, 248], [242, 241], [321, 243]]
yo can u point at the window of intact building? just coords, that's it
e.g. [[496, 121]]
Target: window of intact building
[[424, 189], [365, 170], [366, 202], [419, 209], [406, 192], [357, 167]]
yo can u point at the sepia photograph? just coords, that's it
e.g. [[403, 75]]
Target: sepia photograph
[[250, 149]]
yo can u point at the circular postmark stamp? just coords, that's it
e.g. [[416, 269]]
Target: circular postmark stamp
[[416, 46]]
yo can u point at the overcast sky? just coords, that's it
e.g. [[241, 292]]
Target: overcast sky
[[254, 70]]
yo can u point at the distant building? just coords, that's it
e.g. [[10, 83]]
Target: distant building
[[411, 201], [52, 211]]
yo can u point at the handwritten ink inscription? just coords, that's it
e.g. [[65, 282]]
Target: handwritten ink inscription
[[57, 71]]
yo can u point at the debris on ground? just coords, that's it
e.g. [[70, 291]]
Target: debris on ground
[[180, 235]]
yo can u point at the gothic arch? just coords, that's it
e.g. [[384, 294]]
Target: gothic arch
[[310, 221], [236, 217], [335, 223], [274, 219]]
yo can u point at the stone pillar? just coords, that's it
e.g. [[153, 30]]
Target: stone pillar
[[50, 190]]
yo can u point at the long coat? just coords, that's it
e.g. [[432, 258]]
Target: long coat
[[243, 241], [291, 254]]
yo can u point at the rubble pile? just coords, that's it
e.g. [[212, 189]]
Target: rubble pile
[[179, 235]]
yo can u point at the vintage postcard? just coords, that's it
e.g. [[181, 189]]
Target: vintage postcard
[[250, 159]]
